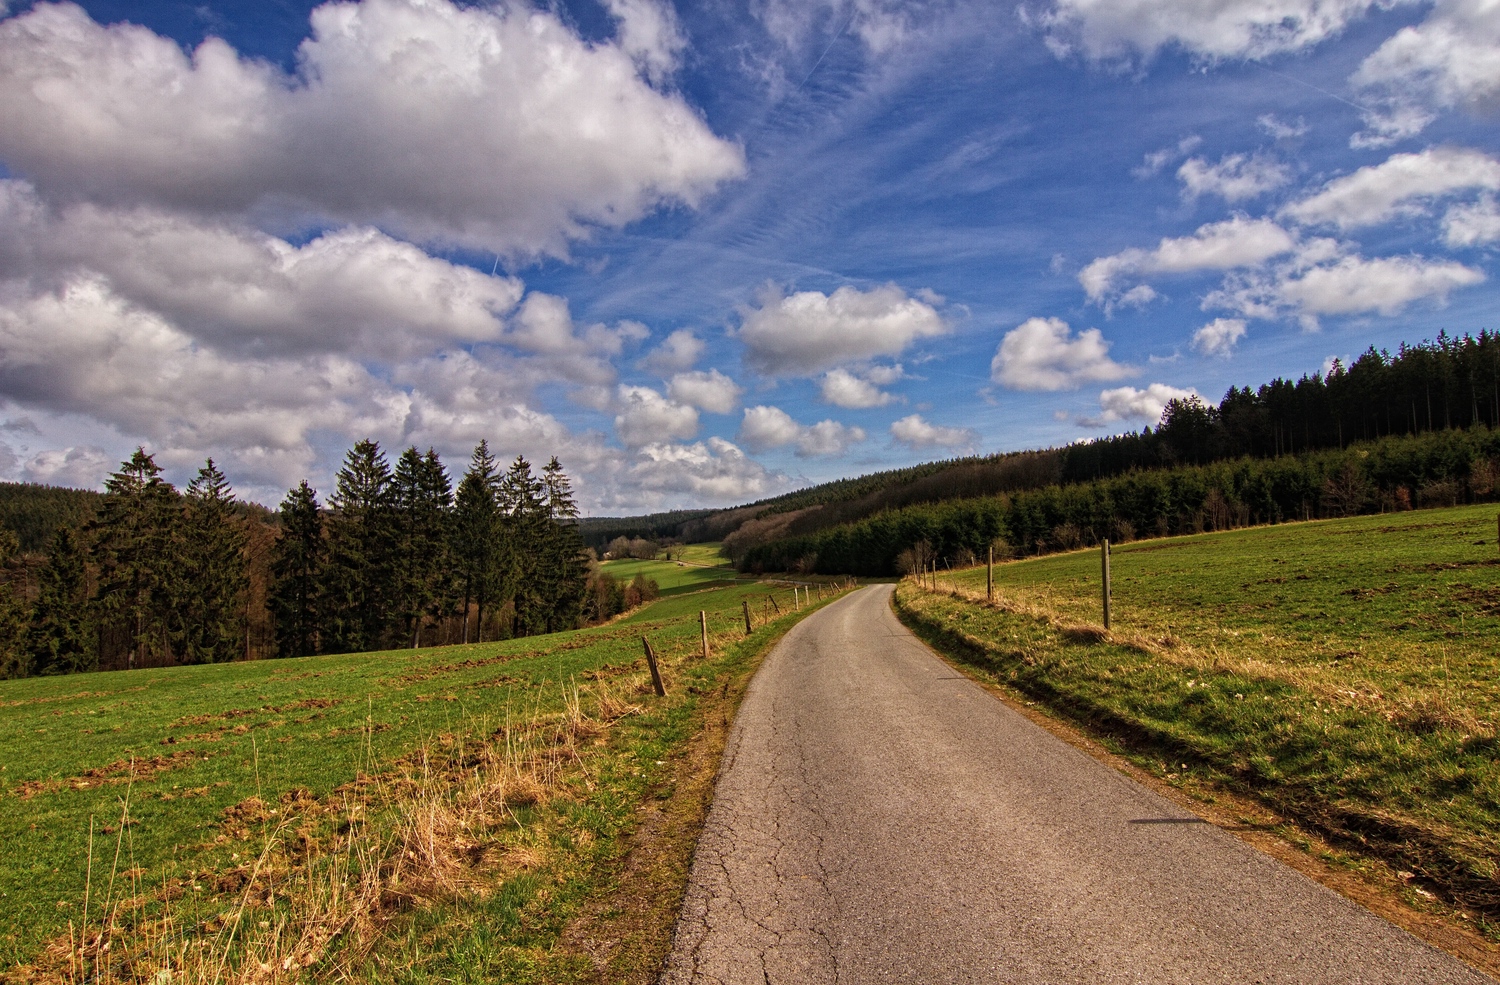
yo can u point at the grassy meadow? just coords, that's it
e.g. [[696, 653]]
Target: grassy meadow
[[1344, 672], [460, 813], [673, 578], [707, 553]]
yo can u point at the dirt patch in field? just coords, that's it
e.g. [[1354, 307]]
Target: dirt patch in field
[[52, 699], [120, 771], [1484, 598], [190, 721]]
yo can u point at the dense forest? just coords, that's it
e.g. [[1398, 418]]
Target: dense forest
[[151, 576], [1436, 386], [34, 512], [1401, 472], [597, 532]]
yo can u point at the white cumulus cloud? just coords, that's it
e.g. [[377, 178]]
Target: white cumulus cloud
[[1044, 354], [235, 287], [828, 438], [1337, 283], [1450, 60], [676, 352], [806, 332], [1386, 285], [844, 389], [715, 471], [493, 126], [1400, 185], [764, 428], [1236, 242], [1470, 225], [649, 34], [646, 417], [711, 391], [1234, 178], [1219, 337], [917, 433], [1128, 403]]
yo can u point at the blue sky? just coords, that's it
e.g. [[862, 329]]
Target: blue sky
[[707, 253]]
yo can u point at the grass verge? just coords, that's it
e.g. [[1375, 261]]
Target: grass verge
[[1339, 675], [461, 814]]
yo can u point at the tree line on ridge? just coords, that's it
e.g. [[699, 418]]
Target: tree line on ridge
[[396, 558]]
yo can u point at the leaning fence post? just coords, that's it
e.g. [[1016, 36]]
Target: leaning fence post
[[989, 576], [1104, 566], [661, 690], [703, 624], [746, 604]]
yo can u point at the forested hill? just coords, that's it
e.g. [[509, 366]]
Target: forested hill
[[33, 513], [1450, 383]]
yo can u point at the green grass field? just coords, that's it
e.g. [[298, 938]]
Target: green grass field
[[1345, 672], [673, 578], [709, 553], [216, 762]]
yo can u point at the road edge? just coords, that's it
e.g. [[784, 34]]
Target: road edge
[[1270, 833]]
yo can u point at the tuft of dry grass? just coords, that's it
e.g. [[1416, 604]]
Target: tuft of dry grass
[[439, 823]]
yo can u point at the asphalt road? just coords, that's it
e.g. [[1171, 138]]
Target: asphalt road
[[879, 818]]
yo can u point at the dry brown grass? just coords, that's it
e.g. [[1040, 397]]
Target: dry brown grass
[[439, 823], [1162, 646]]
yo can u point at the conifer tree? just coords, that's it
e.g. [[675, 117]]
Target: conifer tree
[[476, 534], [213, 576], [565, 574], [360, 582], [62, 638], [423, 498], [297, 573], [524, 499], [134, 547]]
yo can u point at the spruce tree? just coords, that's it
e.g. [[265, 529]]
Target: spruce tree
[[360, 583], [135, 547], [62, 638], [476, 534], [298, 560], [565, 567], [214, 579], [423, 500], [527, 525]]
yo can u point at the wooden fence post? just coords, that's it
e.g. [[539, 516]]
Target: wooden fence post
[[1104, 567], [661, 690], [746, 604], [989, 576], [703, 624]]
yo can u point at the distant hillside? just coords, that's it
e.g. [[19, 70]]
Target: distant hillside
[[1450, 384], [598, 531], [34, 512]]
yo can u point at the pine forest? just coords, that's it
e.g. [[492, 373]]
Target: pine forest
[[146, 575]]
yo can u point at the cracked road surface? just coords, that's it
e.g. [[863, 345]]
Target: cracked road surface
[[879, 818]]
